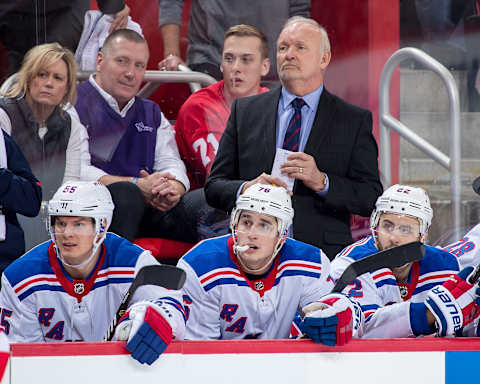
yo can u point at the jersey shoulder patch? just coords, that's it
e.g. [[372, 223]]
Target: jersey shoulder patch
[[437, 259], [208, 255], [299, 259], [32, 272], [298, 250], [360, 249], [120, 252], [34, 262], [435, 268]]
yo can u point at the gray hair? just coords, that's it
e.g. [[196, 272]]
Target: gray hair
[[323, 32]]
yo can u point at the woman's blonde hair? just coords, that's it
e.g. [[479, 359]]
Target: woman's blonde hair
[[39, 58]]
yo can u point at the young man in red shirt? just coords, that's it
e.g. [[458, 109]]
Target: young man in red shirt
[[203, 117]]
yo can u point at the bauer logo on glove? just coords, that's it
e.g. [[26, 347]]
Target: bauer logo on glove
[[455, 303]]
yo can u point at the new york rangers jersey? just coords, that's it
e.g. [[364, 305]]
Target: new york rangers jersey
[[222, 303], [467, 252], [467, 249], [39, 301], [386, 302]]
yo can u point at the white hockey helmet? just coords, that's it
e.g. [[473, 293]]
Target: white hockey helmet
[[266, 199], [404, 200], [84, 199]]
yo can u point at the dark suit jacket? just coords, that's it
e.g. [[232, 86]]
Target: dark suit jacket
[[342, 143]]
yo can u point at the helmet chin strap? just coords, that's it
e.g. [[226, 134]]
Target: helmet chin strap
[[261, 270], [258, 271], [76, 266], [375, 238], [96, 244]]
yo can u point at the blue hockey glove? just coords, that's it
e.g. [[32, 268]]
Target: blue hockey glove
[[148, 332], [333, 320]]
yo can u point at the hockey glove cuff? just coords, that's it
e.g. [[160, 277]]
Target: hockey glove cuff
[[146, 327], [454, 304], [333, 320]]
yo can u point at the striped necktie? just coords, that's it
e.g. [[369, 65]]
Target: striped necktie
[[292, 136]]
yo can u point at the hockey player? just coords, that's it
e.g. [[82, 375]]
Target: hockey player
[[467, 252], [251, 283], [69, 288], [409, 300], [467, 248]]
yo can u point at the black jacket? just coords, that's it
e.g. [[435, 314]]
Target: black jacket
[[47, 156], [20, 192], [342, 143]]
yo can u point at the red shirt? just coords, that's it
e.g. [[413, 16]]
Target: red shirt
[[200, 124]]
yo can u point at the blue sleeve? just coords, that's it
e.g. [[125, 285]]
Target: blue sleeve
[[418, 320], [324, 191], [20, 191]]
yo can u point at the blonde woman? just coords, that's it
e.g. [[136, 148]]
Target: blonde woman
[[34, 112]]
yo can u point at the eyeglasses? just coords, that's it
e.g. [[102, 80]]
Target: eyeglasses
[[261, 228], [403, 230]]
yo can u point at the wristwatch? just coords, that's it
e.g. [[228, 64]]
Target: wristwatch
[[324, 181]]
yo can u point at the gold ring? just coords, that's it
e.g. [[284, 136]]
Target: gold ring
[[300, 170]]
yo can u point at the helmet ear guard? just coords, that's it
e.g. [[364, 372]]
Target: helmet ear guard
[[103, 226], [404, 200]]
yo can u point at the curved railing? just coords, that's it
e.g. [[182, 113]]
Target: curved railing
[[155, 78], [387, 122]]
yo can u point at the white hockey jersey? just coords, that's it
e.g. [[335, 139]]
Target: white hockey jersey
[[467, 250], [222, 303], [387, 304], [40, 302]]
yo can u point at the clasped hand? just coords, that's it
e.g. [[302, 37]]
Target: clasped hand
[[160, 189]]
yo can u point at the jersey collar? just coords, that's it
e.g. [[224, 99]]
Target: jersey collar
[[75, 288], [406, 289], [260, 285]]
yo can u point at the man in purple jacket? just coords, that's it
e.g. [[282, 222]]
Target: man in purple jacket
[[132, 144]]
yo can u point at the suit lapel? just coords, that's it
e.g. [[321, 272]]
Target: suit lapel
[[321, 124], [270, 128]]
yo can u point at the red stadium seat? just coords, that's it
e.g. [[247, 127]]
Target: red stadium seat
[[164, 250]]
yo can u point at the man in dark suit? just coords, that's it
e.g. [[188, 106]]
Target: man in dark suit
[[334, 160]]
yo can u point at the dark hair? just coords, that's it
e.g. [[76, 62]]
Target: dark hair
[[127, 34]]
